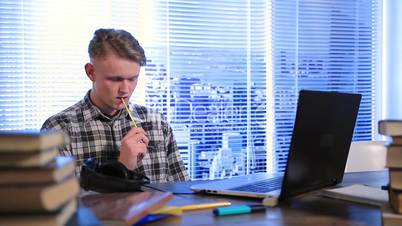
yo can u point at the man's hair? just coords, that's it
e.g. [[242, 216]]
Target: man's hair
[[120, 42]]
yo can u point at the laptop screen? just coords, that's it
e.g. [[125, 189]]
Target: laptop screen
[[327, 117]]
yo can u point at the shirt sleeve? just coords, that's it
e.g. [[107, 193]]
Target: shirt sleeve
[[177, 170], [55, 124]]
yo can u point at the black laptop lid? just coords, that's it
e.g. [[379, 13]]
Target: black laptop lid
[[322, 134]]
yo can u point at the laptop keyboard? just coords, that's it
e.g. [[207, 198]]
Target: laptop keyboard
[[261, 186]]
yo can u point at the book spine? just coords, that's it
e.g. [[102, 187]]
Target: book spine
[[38, 197], [395, 199], [390, 127]]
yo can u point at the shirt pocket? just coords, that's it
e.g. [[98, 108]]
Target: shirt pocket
[[155, 163]]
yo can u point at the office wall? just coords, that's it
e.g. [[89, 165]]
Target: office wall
[[392, 59]]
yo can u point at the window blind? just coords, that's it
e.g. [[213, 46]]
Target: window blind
[[207, 73], [323, 45], [43, 51]]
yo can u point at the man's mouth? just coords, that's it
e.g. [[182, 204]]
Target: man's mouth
[[122, 98]]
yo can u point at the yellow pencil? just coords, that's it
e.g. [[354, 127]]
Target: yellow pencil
[[178, 210], [129, 112], [204, 206]]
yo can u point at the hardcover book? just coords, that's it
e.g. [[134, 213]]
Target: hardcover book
[[395, 178], [30, 141], [31, 159], [37, 197], [396, 140], [394, 156], [395, 199], [58, 217], [126, 208], [389, 217], [390, 127], [55, 171]]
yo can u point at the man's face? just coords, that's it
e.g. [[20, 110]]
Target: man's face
[[112, 78]]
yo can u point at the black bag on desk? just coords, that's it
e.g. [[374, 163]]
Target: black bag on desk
[[110, 177]]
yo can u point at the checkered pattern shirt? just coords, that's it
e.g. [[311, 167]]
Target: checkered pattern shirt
[[95, 135]]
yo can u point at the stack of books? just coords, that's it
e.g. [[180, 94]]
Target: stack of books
[[393, 130], [37, 187]]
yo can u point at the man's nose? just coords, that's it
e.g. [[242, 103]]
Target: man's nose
[[124, 86]]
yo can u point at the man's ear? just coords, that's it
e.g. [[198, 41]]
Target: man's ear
[[89, 69]]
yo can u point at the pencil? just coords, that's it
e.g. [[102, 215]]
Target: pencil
[[178, 210], [129, 112], [204, 206]]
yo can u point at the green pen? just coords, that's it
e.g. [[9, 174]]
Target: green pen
[[241, 209]]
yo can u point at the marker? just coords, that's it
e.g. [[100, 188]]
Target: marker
[[241, 209]]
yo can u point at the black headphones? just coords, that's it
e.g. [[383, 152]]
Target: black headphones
[[110, 177]]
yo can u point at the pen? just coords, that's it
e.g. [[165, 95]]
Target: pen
[[241, 209]]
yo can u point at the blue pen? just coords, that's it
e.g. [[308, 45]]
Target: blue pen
[[241, 209], [151, 218]]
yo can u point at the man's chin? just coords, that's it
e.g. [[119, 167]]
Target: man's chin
[[119, 107], [116, 107]]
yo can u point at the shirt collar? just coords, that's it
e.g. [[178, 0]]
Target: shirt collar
[[91, 112]]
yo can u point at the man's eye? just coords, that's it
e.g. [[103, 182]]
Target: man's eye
[[122, 79], [116, 79]]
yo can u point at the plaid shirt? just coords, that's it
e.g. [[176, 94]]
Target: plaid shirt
[[95, 135]]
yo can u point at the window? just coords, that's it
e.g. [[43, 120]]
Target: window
[[207, 72], [225, 73], [323, 45]]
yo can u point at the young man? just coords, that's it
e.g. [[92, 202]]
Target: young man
[[99, 127]]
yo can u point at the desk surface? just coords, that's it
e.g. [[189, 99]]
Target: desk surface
[[308, 209]]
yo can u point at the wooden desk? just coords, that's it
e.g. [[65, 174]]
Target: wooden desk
[[308, 210]]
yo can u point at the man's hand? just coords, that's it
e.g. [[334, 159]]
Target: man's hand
[[133, 147]]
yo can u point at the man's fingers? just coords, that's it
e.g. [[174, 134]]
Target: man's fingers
[[135, 131], [143, 139], [140, 156], [136, 134]]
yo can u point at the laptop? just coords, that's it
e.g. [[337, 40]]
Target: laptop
[[318, 151]]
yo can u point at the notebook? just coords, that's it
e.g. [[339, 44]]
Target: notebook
[[318, 151]]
